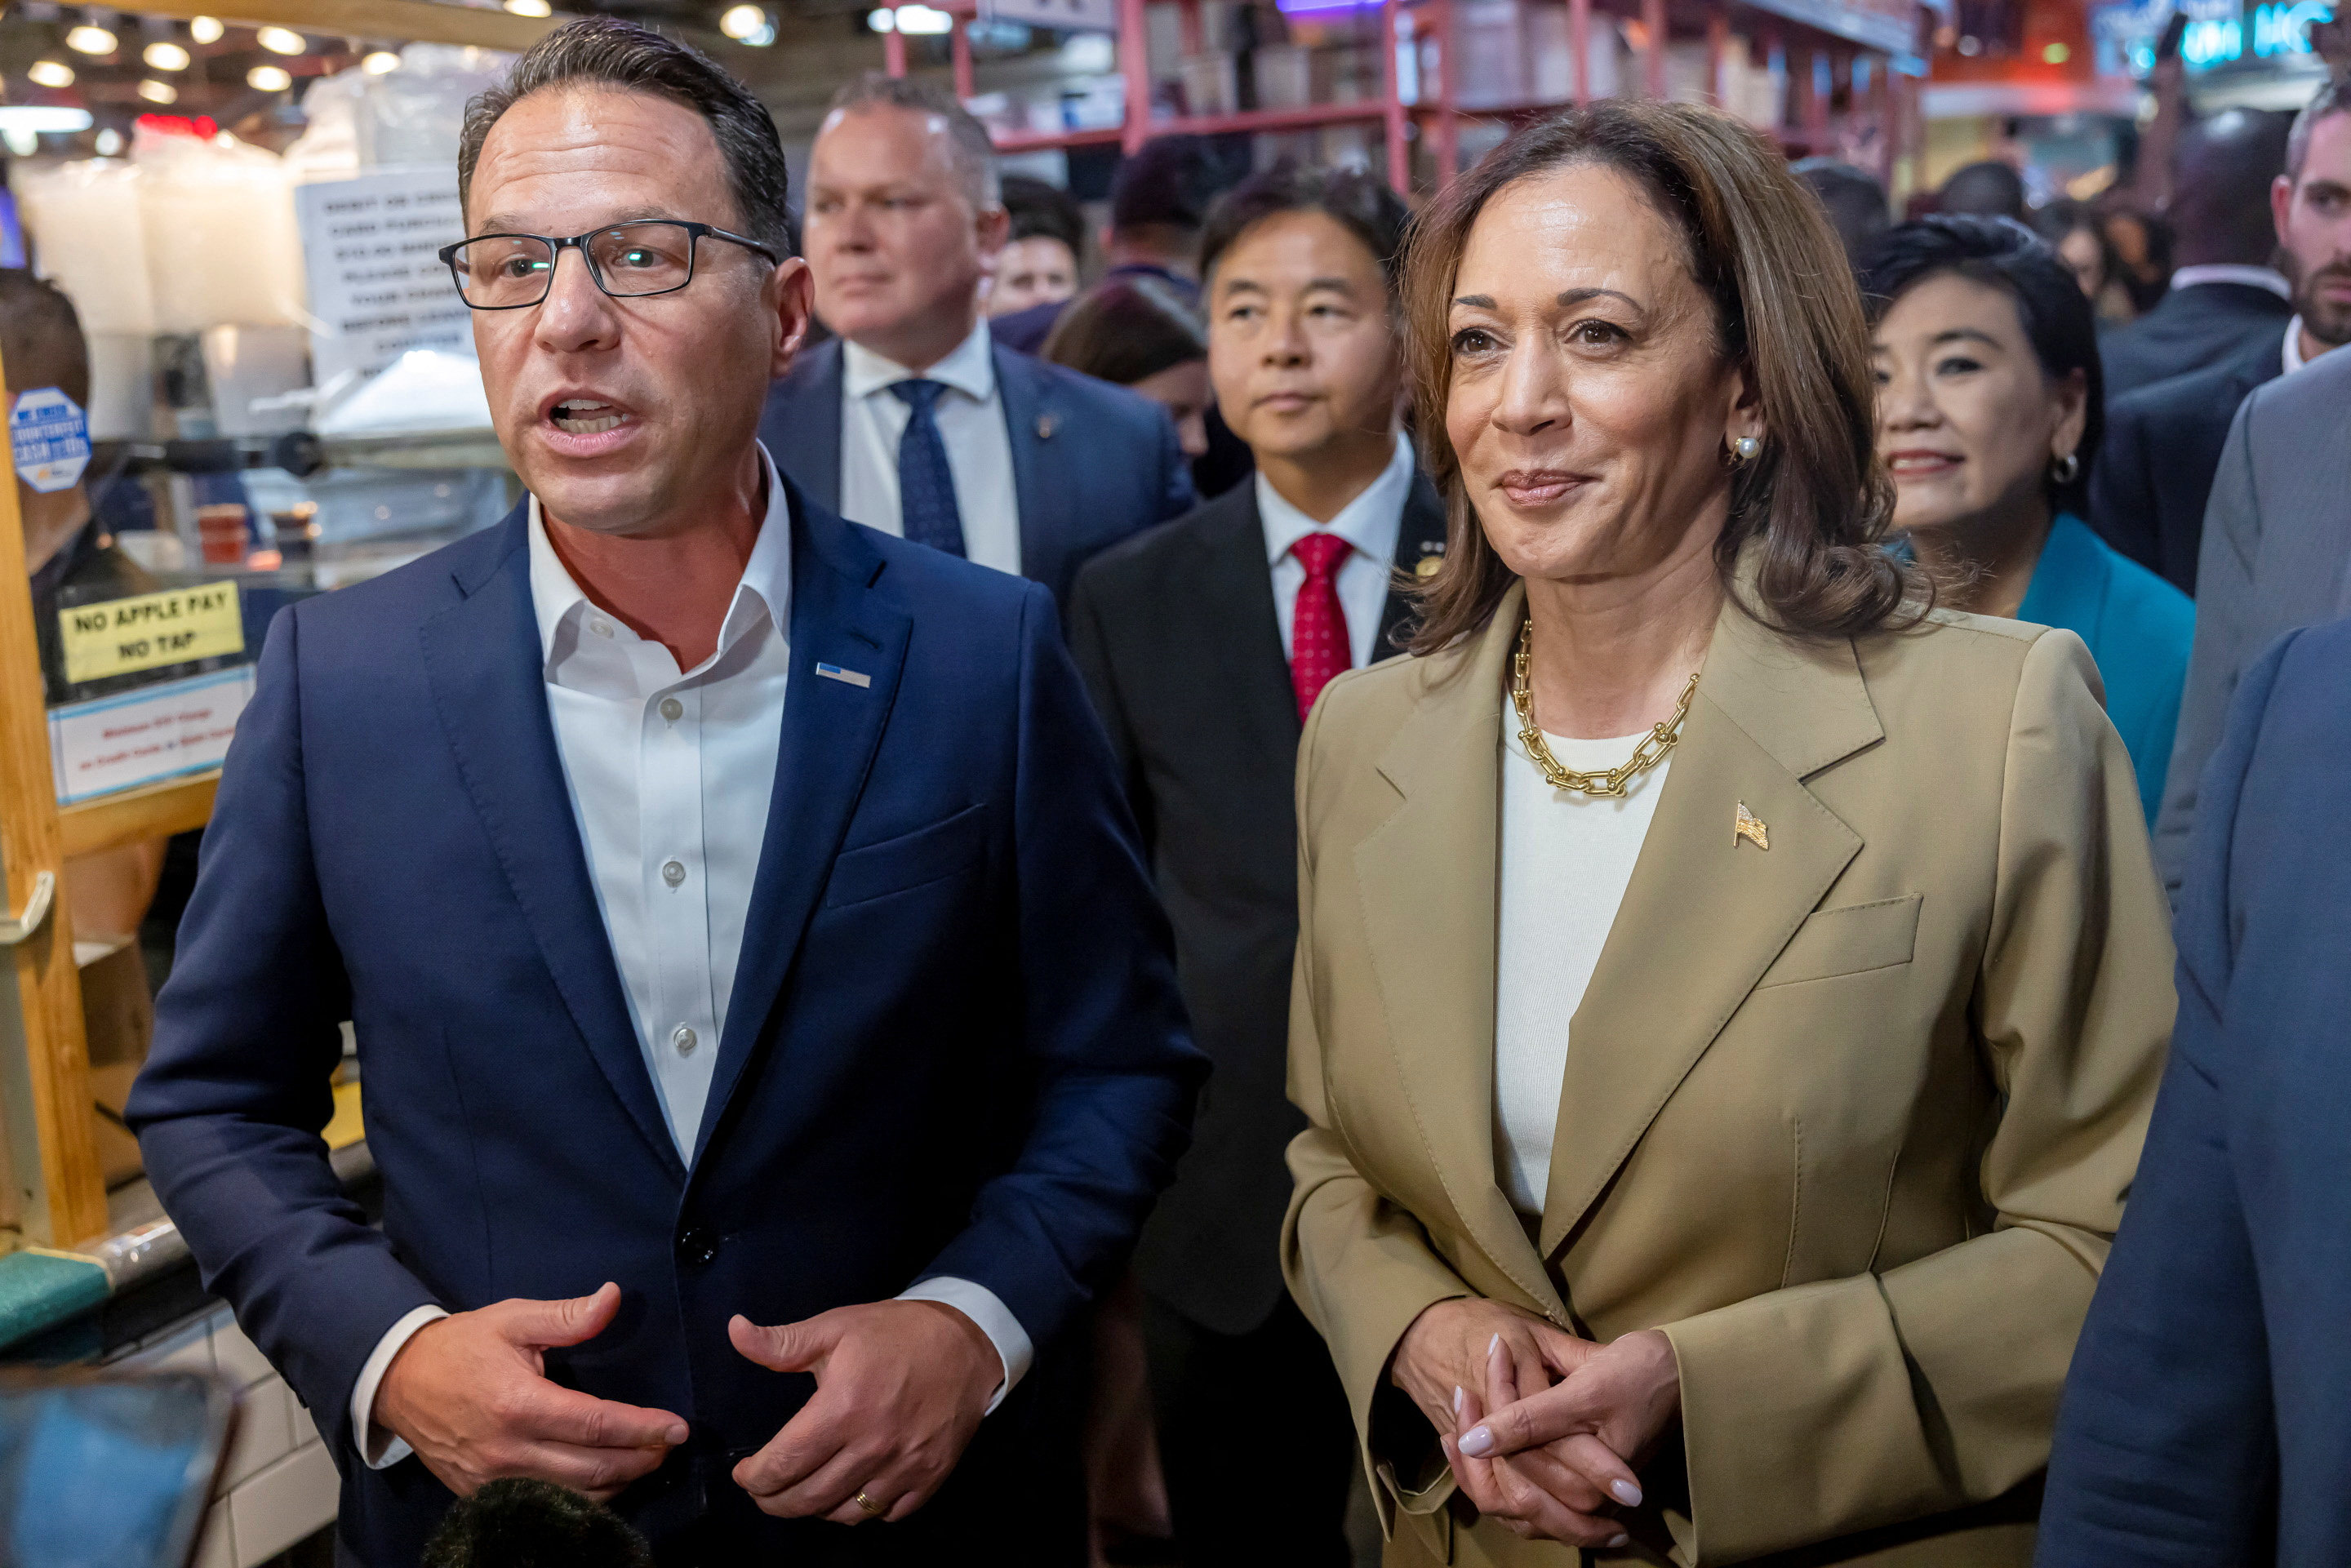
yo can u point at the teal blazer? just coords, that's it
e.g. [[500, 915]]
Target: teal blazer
[[2138, 628]]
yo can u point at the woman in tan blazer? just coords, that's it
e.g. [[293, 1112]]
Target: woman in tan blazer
[[1730, 995]]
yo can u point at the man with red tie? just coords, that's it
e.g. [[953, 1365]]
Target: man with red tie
[[1206, 642]]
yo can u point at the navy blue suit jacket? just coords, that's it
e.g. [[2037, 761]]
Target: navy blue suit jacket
[[2207, 1421], [1091, 463], [954, 1046]]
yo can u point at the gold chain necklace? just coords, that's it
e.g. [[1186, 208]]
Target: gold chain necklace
[[1607, 784]]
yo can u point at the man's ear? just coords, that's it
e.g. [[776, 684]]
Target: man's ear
[[993, 228], [795, 306], [2281, 204]]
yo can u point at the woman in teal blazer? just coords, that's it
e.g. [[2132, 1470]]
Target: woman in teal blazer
[[1989, 392]]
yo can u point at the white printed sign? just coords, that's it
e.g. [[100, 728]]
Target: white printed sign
[[377, 288], [156, 732], [1071, 16], [50, 440]]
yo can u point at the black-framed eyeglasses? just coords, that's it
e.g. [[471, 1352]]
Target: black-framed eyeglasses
[[628, 261]]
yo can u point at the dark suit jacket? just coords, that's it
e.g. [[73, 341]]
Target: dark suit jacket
[[2207, 1419], [2189, 329], [954, 1046], [1091, 463], [2275, 556], [1175, 634], [2162, 447]]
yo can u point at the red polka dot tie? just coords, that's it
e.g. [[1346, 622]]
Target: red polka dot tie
[[1319, 649]]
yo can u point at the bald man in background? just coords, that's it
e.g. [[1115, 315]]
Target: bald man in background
[[2225, 295]]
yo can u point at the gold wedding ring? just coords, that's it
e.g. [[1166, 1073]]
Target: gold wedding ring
[[873, 1509]]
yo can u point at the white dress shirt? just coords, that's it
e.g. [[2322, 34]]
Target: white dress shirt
[[1370, 522], [970, 416], [2268, 278], [2293, 356], [670, 776], [1566, 861]]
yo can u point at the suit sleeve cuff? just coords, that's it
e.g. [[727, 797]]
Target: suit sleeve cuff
[[995, 1320], [380, 1450]]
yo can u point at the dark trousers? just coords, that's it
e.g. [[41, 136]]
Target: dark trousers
[[1254, 1439]]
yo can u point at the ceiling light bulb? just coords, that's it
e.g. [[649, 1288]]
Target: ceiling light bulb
[[108, 142], [165, 56], [280, 40], [206, 29], [881, 21], [379, 63], [88, 40], [919, 19], [530, 7], [51, 73], [739, 22], [155, 91], [268, 78]]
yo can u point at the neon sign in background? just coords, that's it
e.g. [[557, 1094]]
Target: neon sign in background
[[2218, 32]]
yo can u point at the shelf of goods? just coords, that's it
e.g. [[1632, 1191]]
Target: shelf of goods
[[1824, 76]]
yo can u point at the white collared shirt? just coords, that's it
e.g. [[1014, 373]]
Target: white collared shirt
[[970, 416], [670, 776], [2267, 277], [2291, 355], [1370, 522]]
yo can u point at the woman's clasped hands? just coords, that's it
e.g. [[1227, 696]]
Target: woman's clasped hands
[[1538, 1424]]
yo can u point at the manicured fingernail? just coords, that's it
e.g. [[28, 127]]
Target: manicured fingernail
[[1478, 1443], [1626, 1493], [1619, 1539], [1457, 1397], [1493, 1344]]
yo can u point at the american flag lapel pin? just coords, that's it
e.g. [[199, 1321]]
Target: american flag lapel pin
[[846, 677]]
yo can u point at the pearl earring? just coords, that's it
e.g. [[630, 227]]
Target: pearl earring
[[1747, 446]]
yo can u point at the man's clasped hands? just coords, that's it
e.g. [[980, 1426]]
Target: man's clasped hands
[[901, 1386], [1542, 1429]]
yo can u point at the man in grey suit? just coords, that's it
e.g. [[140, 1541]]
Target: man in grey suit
[[2276, 555]]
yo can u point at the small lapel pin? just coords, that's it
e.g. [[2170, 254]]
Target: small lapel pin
[[1428, 566], [852, 678], [1750, 828], [1046, 425]]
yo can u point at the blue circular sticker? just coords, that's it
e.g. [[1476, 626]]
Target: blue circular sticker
[[49, 438]]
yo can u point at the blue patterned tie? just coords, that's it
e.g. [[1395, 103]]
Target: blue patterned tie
[[927, 498]]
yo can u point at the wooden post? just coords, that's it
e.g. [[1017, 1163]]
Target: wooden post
[[1134, 63], [960, 48], [1579, 38], [1399, 151], [1653, 58], [71, 1205]]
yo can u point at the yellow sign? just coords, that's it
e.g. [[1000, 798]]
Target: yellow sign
[[117, 636]]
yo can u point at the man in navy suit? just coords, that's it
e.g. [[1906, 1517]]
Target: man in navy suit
[[770, 1039], [914, 421], [2208, 1417]]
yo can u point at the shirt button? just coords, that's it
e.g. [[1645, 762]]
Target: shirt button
[[672, 709], [601, 628], [684, 1040], [673, 874]]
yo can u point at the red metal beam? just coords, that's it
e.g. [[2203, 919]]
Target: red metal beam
[[893, 50], [1134, 63], [1445, 138], [1652, 58], [1717, 55], [1579, 38], [1399, 150], [1195, 35], [1045, 140], [960, 46]]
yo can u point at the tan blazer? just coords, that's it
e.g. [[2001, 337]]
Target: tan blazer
[[1849, 1118]]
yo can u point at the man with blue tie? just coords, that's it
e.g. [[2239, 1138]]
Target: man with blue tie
[[914, 419], [770, 1037]]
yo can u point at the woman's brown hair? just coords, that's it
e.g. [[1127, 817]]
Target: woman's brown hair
[[1814, 502]]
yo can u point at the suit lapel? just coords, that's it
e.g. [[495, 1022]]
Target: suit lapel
[[1707, 912], [1427, 880], [1236, 585], [486, 670], [830, 730], [1035, 425], [1419, 536]]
